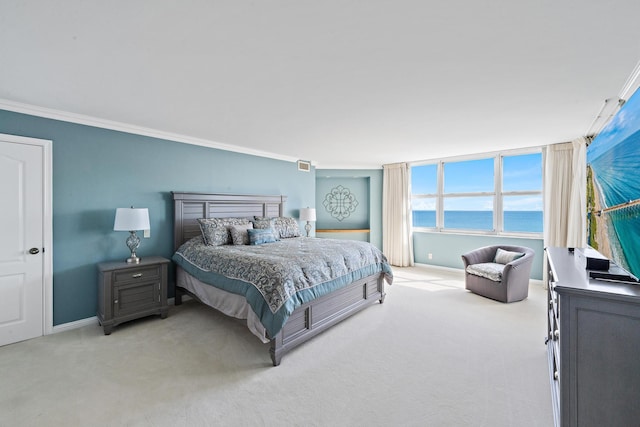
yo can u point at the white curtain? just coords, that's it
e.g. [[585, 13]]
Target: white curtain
[[565, 199], [397, 244]]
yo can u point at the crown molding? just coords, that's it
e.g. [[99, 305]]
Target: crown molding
[[81, 119], [346, 166]]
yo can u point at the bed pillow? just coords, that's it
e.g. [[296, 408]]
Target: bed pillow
[[212, 234], [505, 257], [239, 235], [262, 222], [259, 236], [215, 230], [230, 221], [288, 227], [284, 227]]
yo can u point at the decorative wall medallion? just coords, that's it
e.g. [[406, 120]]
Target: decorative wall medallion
[[340, 202]]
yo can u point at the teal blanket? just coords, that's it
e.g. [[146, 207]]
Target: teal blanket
[[276, 278]]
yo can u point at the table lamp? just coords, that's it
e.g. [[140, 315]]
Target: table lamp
[[307, 214], [132, 219]]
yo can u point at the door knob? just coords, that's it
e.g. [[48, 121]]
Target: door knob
[[34, 251]]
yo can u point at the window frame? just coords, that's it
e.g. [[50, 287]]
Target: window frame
[[498, 194]]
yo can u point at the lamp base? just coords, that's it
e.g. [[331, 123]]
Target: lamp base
[[133, 241], [307, 228]]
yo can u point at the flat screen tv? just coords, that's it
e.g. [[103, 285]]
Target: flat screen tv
[[613, 188]]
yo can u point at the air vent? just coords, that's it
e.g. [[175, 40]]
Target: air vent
[[304, 166]]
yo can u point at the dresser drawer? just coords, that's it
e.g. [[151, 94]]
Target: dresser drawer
[[137, 274]]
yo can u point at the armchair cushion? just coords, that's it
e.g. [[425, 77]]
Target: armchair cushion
[[489, 270], [505, 257]]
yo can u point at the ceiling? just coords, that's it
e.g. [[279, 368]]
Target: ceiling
[[342, 83]]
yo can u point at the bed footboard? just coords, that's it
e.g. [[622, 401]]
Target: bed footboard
[[320, 314]]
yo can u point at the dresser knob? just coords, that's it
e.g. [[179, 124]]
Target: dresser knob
[[135, 276], [556, 333], [115, 302]]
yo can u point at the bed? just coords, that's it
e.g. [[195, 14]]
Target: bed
[[304, 311]]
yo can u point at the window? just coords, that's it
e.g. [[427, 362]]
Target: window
[[501, 193], [424, 184], [469, 194], [468, 213], [522, 193]]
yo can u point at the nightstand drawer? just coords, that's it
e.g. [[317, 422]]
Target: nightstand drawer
[[137, 274]]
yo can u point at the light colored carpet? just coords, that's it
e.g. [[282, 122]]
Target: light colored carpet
[[432, 355]]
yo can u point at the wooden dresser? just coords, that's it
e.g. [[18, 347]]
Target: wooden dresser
[[593, 343]]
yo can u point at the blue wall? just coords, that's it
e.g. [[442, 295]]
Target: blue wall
[[447, 248], [357, 187], [369, 215], [97, 170]]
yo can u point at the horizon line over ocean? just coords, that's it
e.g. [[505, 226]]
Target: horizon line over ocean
[[516, 221]]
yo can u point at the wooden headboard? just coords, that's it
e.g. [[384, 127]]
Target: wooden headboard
[[188, 207]]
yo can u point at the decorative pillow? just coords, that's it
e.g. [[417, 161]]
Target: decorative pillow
[[286, 227], [261, 222], [283, 227], [239, 234], [489, 270], [212, 234], [505, 257], [258, 236], [230, 221], [222, 224]]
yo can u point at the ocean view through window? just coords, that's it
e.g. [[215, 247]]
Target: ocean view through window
[[501, 193], [516, 221]]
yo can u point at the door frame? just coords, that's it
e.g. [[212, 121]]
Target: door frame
[[47, 224]]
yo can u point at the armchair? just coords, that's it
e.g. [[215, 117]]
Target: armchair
[[503, 278]]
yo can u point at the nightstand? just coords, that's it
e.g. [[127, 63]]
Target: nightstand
[[130, 291]]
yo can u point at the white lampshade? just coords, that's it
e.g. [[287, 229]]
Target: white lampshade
[[131, 219], [307, 214]]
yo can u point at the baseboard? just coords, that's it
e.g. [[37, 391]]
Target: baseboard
[[537, 282], [439, 267], [94, 320], [74, 325]]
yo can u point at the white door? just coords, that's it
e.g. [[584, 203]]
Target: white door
[[21, 240]]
